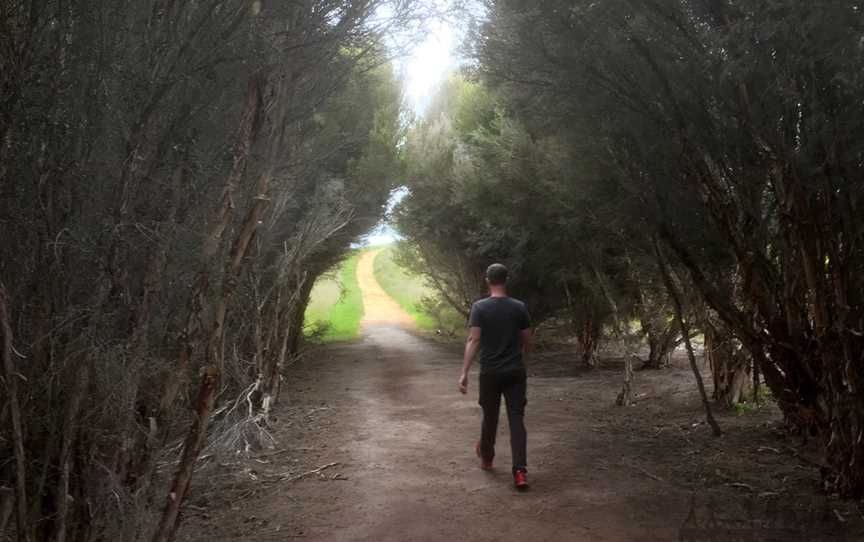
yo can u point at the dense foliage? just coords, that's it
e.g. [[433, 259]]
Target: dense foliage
[[720, 138], [173, 178]]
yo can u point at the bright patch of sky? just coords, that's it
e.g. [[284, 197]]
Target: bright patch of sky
[[384, 234], [426, 64]]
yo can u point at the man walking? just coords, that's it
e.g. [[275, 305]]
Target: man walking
[[499, 327]]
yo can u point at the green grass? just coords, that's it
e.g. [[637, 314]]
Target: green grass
[[336, 304], [405, 288], [325, 294]]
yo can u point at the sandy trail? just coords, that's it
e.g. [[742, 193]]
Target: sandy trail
[[378, 307], [403, 437]]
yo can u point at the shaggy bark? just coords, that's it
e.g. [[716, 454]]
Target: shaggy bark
[[730, 366], [588, 341], [663, 338], [170, 519]]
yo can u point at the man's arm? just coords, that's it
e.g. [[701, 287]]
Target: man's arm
[[526, 335], [472, 345], [527, 338]]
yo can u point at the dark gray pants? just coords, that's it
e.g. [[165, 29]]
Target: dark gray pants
[[513, 386]]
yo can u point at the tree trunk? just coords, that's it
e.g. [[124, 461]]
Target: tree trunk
[[10, 375], [7, 506], [756, 379], [587, 329], [685, 333], [588, 339], [289, 332], [70, 429], [730, 367], [295, 325], [246, 133], [191, 449], [625, 398], [662, 340]]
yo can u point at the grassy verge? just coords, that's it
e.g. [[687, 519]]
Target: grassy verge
[[336, 305], [406, 289]]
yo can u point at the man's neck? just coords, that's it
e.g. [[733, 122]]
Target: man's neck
[[497, 291]]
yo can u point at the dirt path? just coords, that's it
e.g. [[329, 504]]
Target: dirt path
[[414, 475], [384, 417], [378, 307]]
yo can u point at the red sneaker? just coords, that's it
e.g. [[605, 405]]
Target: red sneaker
[[485, 465], [520, 479]]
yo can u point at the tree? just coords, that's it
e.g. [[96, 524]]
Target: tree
[[483, 188], [173, 177], [733, 122]]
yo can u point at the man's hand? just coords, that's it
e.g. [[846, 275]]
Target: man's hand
[[471, 347]]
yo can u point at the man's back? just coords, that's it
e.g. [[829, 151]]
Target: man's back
[[501, 321], [498, 327]]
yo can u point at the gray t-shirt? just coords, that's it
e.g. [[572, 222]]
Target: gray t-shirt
[[501, 320]]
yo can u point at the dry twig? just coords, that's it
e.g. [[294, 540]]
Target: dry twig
[[319, 470]]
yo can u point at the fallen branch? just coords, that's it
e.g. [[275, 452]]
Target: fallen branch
[[805, 459], [652, 476], [319, 470], [273, 454], [646, 473]]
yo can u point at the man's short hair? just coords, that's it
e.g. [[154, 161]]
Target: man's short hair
[[496, 274]]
